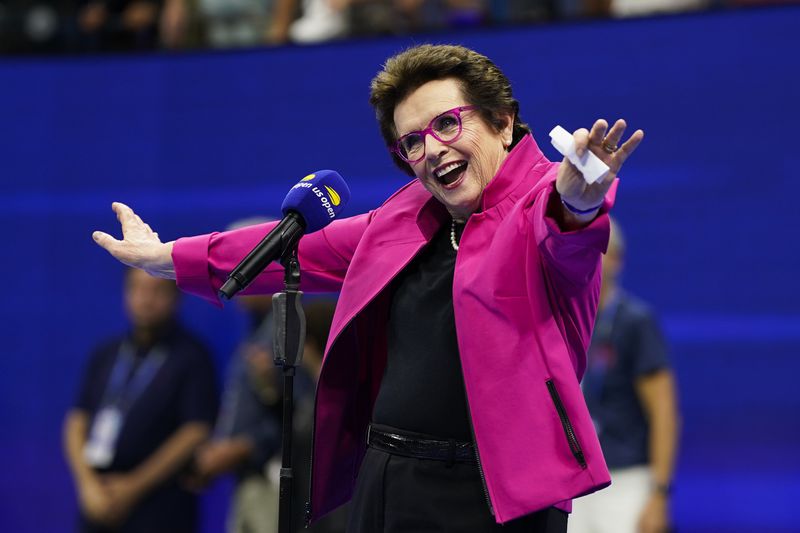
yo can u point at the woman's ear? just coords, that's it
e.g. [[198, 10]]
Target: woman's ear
[[507, 129]]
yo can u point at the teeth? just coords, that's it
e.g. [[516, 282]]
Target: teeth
[[444, 170]]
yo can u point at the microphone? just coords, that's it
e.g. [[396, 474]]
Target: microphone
[[310, 206]]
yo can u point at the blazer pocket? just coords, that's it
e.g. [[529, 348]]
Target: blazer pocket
[[569, 431]]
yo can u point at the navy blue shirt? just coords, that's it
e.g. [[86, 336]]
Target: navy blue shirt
[[182, 390], [626, 345]]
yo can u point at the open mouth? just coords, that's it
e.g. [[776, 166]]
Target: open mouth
[[450, 173]]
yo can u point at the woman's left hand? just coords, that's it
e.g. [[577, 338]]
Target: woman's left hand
[[604, 143]]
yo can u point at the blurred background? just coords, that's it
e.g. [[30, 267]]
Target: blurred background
[[200, 112]]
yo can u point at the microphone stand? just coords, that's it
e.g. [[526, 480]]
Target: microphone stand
[[289, 341]]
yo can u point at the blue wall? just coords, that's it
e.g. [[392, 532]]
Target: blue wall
[[195, 141]]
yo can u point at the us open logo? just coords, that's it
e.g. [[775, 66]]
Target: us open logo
[[329, 201], [333, 195]]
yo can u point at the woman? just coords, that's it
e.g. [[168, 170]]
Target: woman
[[467, 302]]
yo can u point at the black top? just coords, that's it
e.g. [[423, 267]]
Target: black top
[[423, 388]]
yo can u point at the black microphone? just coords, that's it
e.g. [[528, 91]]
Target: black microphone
[[310, 206]]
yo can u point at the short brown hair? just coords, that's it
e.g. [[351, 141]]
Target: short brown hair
[[482, 83]]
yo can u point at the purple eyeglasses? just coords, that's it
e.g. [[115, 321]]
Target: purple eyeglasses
[[446, 128]]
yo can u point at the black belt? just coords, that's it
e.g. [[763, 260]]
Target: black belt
[[452, 451]]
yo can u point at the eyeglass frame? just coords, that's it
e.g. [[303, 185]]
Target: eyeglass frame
[[396, 149]]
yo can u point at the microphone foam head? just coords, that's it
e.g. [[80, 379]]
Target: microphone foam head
[[318, 198]]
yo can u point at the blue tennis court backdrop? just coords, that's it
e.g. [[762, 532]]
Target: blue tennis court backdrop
[[194, 141]]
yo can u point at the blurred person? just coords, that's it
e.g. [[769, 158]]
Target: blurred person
[[320, 21], [220, 23], [630, 390], [402, 17], [284, 13], [449, 394], [533, 11], [118, 25], [34, 27], [639, 8], [247, 436], [228, 23], [248, 431], [236, 23], [385, 17], [319, 315], [395, 17], [630, 8], [176, 23], [147, 400]]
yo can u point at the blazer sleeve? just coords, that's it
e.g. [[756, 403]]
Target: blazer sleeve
[[203, 262], [573, 255], [571, 266]]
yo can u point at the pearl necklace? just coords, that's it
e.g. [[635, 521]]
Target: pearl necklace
[[453, 234]]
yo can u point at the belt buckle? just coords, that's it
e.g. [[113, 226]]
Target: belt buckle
[[369, 432]]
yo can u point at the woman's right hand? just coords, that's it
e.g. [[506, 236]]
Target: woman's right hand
[[140, 246]]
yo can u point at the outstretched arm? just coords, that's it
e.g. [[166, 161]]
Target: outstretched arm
[[204, 261]]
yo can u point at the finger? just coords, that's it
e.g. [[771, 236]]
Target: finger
[[120, 209], [598, 132], [569, 168], [105, 240], [628, 148], [127, 218], [615, 133], [581, 138]]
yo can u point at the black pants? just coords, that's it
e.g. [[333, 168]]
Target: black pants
[[396, 494]]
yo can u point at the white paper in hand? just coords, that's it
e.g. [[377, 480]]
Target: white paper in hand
[[589, 165]]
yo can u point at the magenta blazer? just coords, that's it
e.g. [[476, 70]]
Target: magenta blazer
[[525, 296]]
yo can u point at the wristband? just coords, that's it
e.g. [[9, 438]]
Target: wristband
[[574, 210]]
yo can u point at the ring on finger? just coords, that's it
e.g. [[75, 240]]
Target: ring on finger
[[609, 147]]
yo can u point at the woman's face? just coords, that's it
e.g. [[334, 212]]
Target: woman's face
[[454, 173]]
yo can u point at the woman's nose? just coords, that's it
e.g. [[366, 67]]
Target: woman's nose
[[434, 148]]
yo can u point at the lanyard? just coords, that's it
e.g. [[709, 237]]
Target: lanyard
[[605, 319], [601, 350], [129, 379]]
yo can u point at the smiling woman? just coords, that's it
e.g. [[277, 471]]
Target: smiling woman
[[458, 407]]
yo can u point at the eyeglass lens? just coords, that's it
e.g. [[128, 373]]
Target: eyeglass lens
[[446, 127]]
